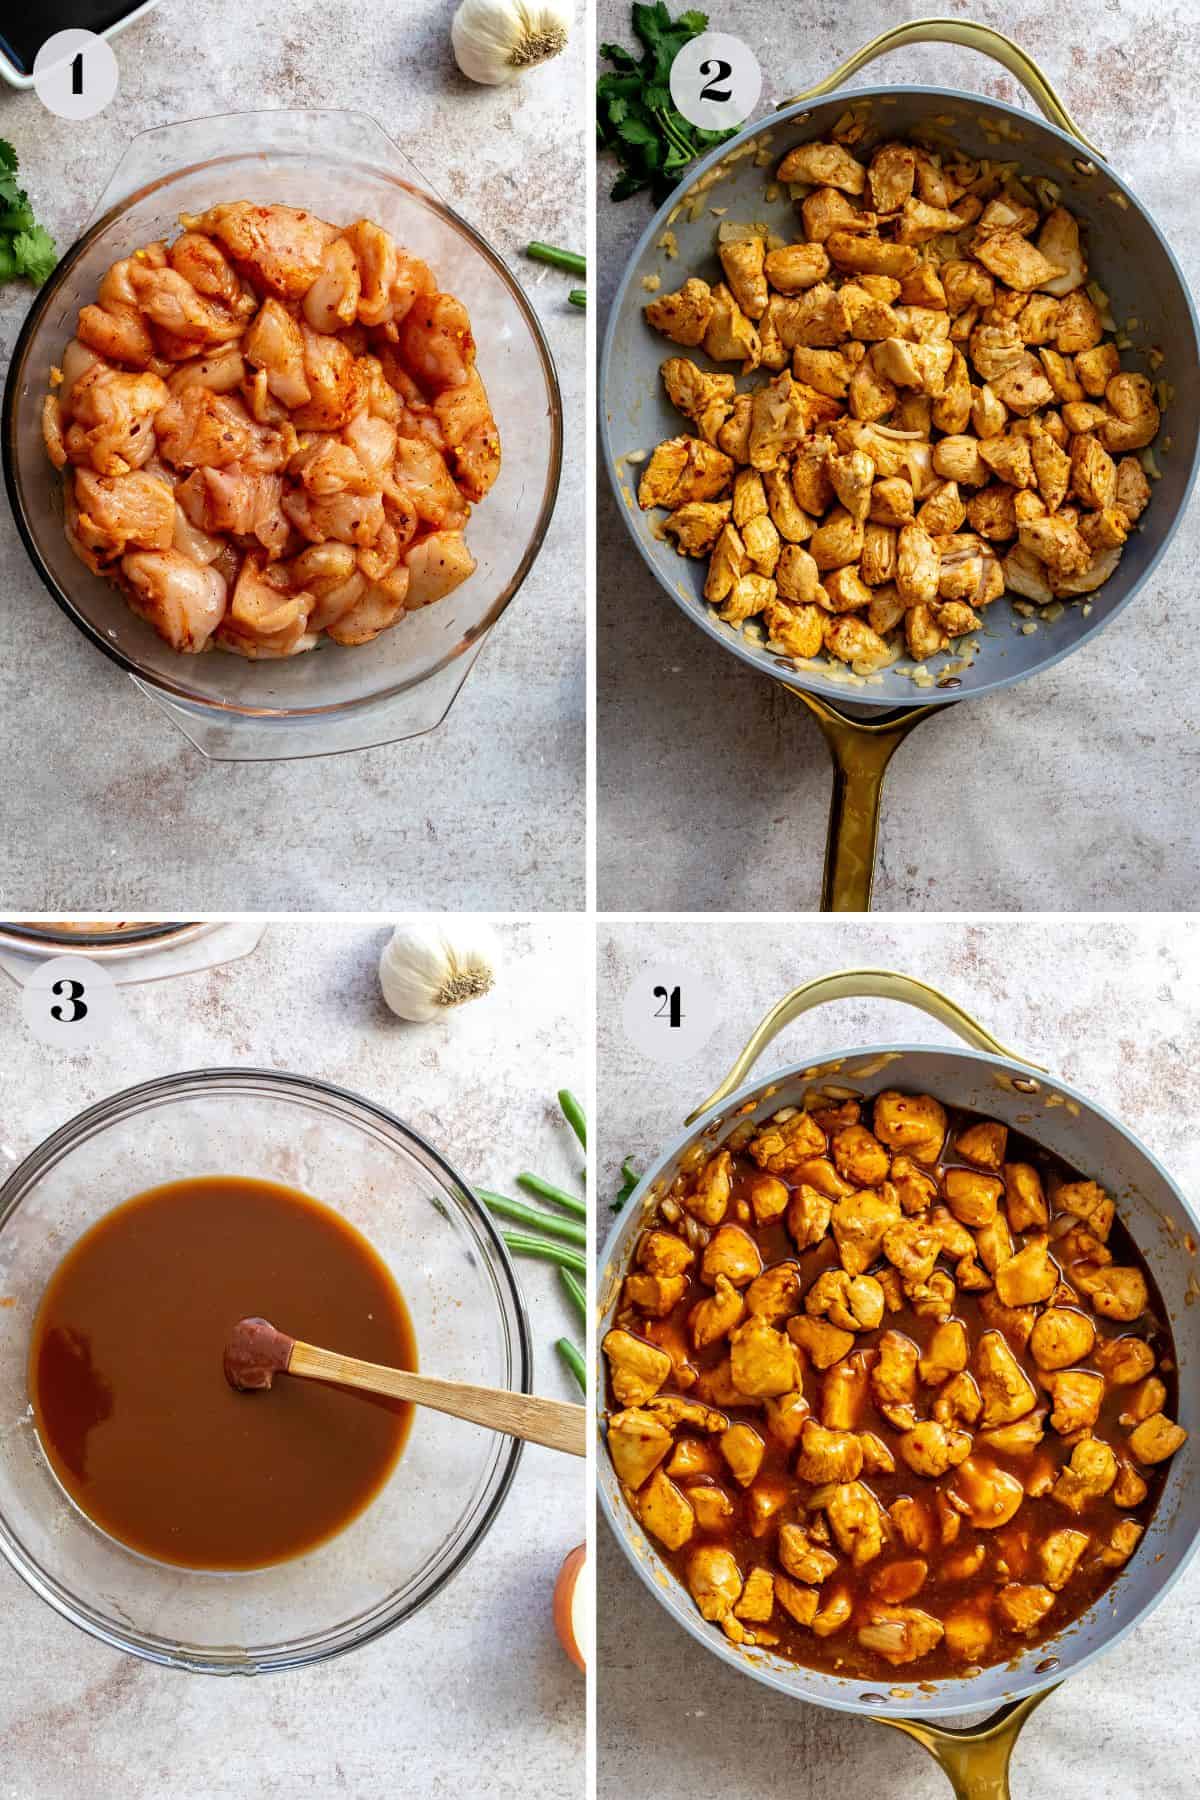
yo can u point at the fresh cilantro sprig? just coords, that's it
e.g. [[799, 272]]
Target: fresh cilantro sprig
[[26, 248], [635, 116]]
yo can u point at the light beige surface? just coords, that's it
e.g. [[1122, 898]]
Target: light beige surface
[[488, 810], [1114, 1008], [474, 1694], [1064, 792]]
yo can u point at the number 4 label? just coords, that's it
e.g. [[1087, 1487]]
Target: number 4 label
[[669, 1012], [716, 81], [70, 1003]]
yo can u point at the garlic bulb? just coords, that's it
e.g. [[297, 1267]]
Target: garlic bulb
[[429, 966], [495, 40]]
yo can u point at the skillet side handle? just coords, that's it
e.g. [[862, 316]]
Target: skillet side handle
[[858, 984], [982, 38], [861, 752], [975, 1758]]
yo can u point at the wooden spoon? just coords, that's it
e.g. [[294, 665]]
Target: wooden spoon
[[256, 1352]]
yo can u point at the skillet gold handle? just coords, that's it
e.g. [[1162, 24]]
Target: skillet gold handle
[[991, 43], [858, 984], [975, 1757]]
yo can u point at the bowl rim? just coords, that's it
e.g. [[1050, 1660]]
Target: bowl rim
[[177, 691], [226, 1660], [648, 1569], [698, 613]]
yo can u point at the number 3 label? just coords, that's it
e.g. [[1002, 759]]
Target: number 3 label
[[70, 1003], [669, 1012], [716, 81]]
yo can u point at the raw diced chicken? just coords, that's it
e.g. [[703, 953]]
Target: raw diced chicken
[[182, 599]]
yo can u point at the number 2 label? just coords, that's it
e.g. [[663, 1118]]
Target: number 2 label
[[716, 81]]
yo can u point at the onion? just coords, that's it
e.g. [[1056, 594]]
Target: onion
[[574, 1619]]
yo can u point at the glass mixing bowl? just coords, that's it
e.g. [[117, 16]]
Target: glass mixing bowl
[[468, 1316], [344, 167]]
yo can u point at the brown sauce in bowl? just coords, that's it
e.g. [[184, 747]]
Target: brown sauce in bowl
[[129, 1394]]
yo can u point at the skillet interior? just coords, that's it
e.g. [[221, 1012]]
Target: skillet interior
[[1167, 1233], [1127, 256]]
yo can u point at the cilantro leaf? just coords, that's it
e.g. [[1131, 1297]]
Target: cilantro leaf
[[35, 254], [635, 116], [8, 156]]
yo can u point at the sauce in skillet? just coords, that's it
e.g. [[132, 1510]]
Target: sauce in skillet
[[129, 1392]]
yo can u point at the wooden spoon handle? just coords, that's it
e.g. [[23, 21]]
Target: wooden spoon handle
[[555, 1423]]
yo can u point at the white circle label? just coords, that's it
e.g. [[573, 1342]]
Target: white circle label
[[669, 1013], [75, 74], [70, 1003], [716, 81]]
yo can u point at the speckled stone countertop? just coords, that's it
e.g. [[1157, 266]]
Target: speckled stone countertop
[[473, 1695], [1068, 791], [485, 812], [1114, 1008]]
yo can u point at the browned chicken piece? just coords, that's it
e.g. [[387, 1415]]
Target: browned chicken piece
[[1087, 1201], [706, 399], [913, 1524], [683, 469], [1128, 1489], [714, 1581], [782, 1144], [984, 1493], [1077, 1394], [742, 261], [768, 1198], [860, 1223], [897, 1581], [852, 1302], [656, 1295], [890, 176], [761, 1359], [692, 1457], [900, 1634], [1012, 259], [920, 222], [945, 1354], [1061, 1336], [1027, 1278], [1133, 490], [858, 1155], [838, 541], [712, 1506], [637, 1369], [709, 1197], [731, 1252], [727, 566], [931, 1448], [796, 267], [912, 1123], [798, 1601], [637, 1444], [785, 1415], [968, 1634], [914, 1189], [844, 1393], [804, 1560], [912, 1246], [822, 1342], [835, 1615], [758, 1597], [971, 1197], [710, 1320], [864, 253], [1007, 1390], [743, 1449], [1156, 1438], [1059, 1554], [1122, 1541], [823, 165], [828, 1455], [662, 1253], [1087, 1477], [932, 1299], [1020, 1607], [665, 1511], [1118, 1293], [1024, 1197], [1149, 1396], [1133, 416], [683, 316], [731, 336], [857, 1522], [877, 1458], [819, 1173], [894, 1378], [775, 1294], [1123, 1360]]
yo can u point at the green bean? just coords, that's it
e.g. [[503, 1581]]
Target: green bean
[[570, 260], [574, 1115], [578, 297], [534, 1217], [574, 1361], [546, 1190], [566, 1258], [576, 1292]]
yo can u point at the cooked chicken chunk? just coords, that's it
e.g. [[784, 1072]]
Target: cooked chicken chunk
[[683, 316], [822, 1342], [637, 1369], [804, 1560], [743, 1450], [637, 1444], [1007, 1390], [1156, 1438], [1059, 1554], [665, 1512], [731, 1252], [856, 1520], [1089, 1475], [714, 1581], [1021, 1606], [1061, 1336], [912, 1123], [900, 1634], [984, 1493], [712, 1319], [930, 1448], [828, 1455]]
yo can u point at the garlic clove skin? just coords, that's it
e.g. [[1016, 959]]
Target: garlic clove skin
[[429, 967], [494, 41]]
